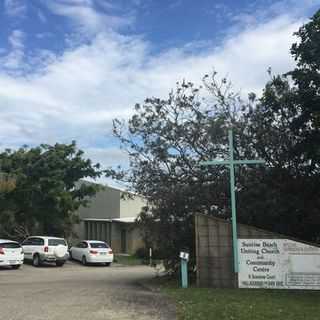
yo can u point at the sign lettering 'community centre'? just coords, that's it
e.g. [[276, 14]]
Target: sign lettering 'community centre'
[[278, 264]]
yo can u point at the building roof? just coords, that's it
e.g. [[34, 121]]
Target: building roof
[[125, 220]]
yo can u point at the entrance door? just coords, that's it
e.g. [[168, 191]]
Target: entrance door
[[123, 240]]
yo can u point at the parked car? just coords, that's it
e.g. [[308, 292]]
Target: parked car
[[92, 251], [45, 249], [11, 254]]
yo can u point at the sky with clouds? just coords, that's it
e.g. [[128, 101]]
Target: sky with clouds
[[68, 67]]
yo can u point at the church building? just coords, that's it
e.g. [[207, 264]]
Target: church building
[[110, 217]]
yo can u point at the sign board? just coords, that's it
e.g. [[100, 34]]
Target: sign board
[[184, 255], [278, 264]]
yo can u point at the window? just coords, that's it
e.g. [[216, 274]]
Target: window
[[37, 242], [10, 245], [84, 245], [33, 242], [98, 245], [56, 242], [27, 242]]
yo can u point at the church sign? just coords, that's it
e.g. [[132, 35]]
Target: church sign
[[278, 264]]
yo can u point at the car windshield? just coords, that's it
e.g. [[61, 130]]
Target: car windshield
[[10, 245], [98, 245], [56, 242]]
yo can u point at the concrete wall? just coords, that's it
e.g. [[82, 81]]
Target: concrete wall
[[79, 233], [111, 233], [133, 238], [131, 207], [214, 253], [108, 204], [105, 204]]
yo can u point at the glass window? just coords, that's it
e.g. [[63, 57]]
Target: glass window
[[27, 242], [56, 242], [84, 245], [37, 242], [10, 245], [98, 245]]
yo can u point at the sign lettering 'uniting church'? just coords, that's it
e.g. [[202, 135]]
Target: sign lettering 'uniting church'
[[278, 264], [265, 263]]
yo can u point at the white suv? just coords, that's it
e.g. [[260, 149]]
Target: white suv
[[45, 249]]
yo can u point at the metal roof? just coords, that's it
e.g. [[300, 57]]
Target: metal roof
[[125, 220]]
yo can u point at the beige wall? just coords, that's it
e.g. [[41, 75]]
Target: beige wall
[[105, 204], [131, 207], [108, 204], [135, 240]]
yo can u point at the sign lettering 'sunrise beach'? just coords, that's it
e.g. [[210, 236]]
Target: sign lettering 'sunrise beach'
[[278, 264]]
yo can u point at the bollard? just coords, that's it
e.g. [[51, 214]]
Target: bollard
[[184, 256], [150, 257]]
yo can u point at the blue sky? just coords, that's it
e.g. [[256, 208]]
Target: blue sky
[[68, 67]]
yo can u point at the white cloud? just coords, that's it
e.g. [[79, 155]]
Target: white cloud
[[77, 94], [14, 58], [84, 14], [16, 39], [42, 16], [111, 157], [15, 7]]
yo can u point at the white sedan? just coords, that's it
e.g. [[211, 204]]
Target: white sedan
[[11, 254], [92, 251]]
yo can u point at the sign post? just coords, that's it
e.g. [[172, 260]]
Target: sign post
[[184, 256], [231, 163]]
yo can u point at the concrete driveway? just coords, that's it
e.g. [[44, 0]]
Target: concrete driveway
[[78, 292]]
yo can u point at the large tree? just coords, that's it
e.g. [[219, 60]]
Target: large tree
[[47, 192], [285, 130], [167, 138]]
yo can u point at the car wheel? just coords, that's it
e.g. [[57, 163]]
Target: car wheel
[[84, 260], [16, 266], [60, 263], [36, 260], [108, 264]]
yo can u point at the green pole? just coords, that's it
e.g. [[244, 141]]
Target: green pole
[[184, 273], [233, 205], [231, 163]]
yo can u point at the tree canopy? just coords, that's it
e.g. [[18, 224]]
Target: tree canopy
[[47, 192], [167, 138]]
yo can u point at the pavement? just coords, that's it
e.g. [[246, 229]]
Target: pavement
[[81, 293]]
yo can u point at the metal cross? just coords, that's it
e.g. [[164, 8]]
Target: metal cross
[[231, 163]]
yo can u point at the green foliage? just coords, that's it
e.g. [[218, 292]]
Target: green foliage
[[167, 138], [226, 304], [47, 191], [285, 131], [306, 77]]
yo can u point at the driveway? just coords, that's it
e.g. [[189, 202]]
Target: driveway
[[78, 292]]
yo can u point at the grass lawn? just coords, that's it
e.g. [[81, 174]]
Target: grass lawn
[[131, 260], [128, 260], [243, 304]]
